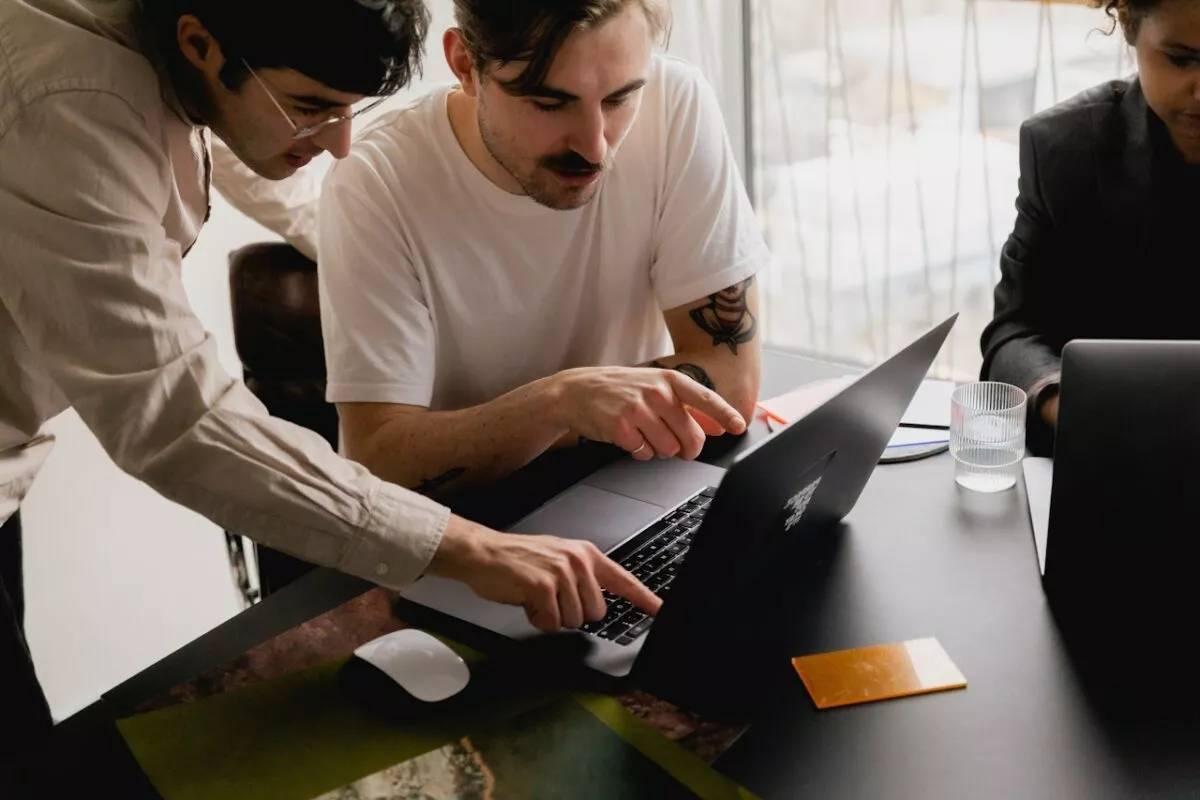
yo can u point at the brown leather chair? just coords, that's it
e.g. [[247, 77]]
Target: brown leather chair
[[277, 332]]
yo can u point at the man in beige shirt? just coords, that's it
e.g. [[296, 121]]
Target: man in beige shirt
[[107, 117]]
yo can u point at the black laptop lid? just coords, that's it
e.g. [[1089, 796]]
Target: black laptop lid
[[770, 518], [1123, 516], [805, 479]]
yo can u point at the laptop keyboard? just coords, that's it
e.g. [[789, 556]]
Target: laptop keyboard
[[653, 556]]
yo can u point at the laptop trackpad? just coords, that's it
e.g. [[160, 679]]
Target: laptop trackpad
[[584, 512]]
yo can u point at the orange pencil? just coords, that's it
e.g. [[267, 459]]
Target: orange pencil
[[771, 415]]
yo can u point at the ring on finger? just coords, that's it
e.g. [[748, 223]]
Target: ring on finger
[[640, 448]]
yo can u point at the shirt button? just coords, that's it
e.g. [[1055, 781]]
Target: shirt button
[[381, 569]]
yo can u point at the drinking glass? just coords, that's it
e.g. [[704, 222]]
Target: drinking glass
[[987, 435]]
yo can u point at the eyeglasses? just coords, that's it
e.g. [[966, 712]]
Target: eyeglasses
[[306, 131]]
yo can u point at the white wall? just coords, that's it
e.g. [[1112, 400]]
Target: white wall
[[118, 577]]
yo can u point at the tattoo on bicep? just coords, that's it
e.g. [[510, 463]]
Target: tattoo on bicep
[[693, 371], [432, 485], [727, 317]]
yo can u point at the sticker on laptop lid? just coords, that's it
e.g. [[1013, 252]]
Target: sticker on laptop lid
[[805, 488]]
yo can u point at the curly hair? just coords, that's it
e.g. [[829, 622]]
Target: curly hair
[[367, 47], [1128, 14], [497, 33]]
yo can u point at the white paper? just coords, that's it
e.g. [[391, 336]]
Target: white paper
[[930, 405]]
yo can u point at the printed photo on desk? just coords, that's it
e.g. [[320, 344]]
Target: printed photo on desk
[[274, 722], [582, 747], [299, 737], [333, 637]]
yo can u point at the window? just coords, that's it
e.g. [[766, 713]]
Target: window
[[883, 158]]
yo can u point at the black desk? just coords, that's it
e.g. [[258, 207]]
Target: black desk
[[921, 558], [917, 558]]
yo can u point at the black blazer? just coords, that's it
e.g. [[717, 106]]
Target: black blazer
[[1106, 242]]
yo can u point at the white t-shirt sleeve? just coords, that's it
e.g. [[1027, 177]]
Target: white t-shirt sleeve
[[707, 237], [379, 337]]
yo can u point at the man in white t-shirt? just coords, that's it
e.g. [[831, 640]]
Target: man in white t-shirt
[[502, 260]]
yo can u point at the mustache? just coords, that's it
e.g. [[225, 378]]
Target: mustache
[[569, 162]]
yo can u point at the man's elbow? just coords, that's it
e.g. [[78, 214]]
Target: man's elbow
[[366, 448], [361, 452]]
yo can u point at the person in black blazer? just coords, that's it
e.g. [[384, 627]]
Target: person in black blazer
[[1106, 240]]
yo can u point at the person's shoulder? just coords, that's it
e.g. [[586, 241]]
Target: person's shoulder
[[1066, 145], [1067, 139], [1084, 113], [400, 142], [678, 79], [675, 70], [53, 47], [677, 96]]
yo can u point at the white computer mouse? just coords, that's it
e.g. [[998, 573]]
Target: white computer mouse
[[419, 664]]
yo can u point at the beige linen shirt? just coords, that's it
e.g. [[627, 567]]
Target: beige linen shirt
[[103, 188]]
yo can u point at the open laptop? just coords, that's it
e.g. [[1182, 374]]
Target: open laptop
[[685, 528], [1114, 514]]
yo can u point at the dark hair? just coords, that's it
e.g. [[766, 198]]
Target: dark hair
[[367, 47], [498, 33], [1128, 14]]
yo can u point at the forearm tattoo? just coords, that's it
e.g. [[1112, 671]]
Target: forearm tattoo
[[693, 371], [431, 486], [727, 317]]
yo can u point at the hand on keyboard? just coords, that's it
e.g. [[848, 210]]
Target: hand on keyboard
[[652, 557], [559, 582]]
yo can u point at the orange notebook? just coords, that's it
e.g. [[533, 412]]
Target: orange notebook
[[882, 672]]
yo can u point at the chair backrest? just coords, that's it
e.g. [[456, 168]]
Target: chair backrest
[[277, 332]]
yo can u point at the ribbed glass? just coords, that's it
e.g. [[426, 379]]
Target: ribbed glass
[[987, 435]]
